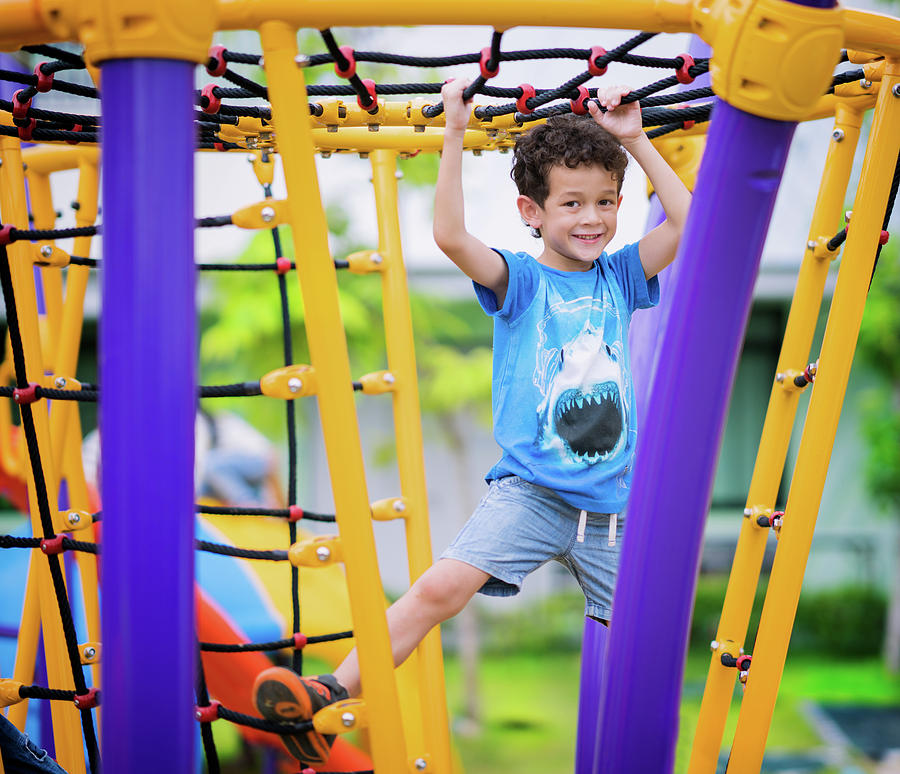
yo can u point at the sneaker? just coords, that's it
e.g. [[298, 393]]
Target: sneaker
[[281, 695]]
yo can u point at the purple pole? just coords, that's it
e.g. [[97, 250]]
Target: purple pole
[[593, 653], [147, 368], [720, 252]]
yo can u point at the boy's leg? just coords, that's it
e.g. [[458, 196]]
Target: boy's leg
[[281, 695]]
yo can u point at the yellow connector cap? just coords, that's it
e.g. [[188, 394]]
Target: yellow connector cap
[[316, 552], [296, 381], [341, 717], [390, 508], [265, 214], [9, 692]]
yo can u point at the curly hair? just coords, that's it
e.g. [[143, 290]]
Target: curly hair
[[566, 140]]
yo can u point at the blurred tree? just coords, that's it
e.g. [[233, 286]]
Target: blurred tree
[[879, 348]]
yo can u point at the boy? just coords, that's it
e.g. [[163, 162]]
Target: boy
[[562, 394]]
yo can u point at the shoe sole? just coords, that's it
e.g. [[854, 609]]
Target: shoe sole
[[280, 696]]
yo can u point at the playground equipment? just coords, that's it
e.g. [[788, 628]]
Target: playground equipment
[[772, 64]]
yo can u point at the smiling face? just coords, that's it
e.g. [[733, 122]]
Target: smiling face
[[578, 217]]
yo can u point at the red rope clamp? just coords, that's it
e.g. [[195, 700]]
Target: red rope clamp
[[25, 395], [207, 714], [19, 109], [350, 70], [884, 237], [52, 545], [213, 103], [579, 106], [6, 234], [295, 512], [87, 700], [528, 91], [44, 82], [682, 73], [596, 53], [300, 641], [743, 662], [75, 128], [26, 131], [373, 95], [485, 58], [219, 146], [283, 266], [218, 54]]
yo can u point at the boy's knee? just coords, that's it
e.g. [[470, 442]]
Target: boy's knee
[[443, 591]]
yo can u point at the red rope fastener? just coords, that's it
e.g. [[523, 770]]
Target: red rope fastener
[[373, 95], [743, 662], [26, 131], [207, 714], [295, 512], [25, 395], [219, 146], [884, 237], [45, 82], [52, 545], [87, 700], [528, 92], [283, 266], [682, 73], [75, 128], [593, 67], [213, 103], [485, 59], [6, 234], [579, 104], [300, 641], [19, 109], [350, 70], [217, 69]]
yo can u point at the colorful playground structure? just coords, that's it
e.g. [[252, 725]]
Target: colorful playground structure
[[772, 64]]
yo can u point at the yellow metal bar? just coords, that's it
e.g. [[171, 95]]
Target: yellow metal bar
[[66, 727], [401, 360], [26, 643], [773, 445], [874, 32], [819, 430], [328, 354]]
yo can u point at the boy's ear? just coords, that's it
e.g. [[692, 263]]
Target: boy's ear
[[529, 210]]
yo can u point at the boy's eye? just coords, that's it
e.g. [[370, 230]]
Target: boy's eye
[[605, 202], [571, 204]]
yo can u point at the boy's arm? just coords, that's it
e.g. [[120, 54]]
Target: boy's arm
[[474, 257], [658, 247]]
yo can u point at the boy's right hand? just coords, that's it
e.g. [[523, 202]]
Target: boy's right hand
[[456, 112]]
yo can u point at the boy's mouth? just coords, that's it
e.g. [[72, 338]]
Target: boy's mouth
[[589, 238]]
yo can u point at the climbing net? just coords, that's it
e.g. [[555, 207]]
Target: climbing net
[[224, 124]]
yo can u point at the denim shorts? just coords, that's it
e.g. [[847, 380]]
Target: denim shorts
[[519, 526]]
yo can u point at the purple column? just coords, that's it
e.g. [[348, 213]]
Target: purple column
[[593, 653], [720, 253], [148, 383]]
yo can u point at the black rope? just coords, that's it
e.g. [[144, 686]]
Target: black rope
[[230, 390], [218, 510], [241, 553], [288, 642], [57, 53], [264, 725], [206, 734], [13, 541]]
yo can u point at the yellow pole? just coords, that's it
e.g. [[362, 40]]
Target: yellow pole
[[819, 430], [66, 727], [328, 354], [401, 358], [27, 643], [774, 442]]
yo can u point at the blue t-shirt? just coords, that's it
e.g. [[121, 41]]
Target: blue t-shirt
[[563, 402]]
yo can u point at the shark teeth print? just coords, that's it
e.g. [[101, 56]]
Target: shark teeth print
[[590, 423]]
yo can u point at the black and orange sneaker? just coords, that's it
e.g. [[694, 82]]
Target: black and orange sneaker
[[281, 695]]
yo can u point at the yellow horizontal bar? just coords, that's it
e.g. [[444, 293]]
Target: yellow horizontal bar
[[876, 32], [44, 159]]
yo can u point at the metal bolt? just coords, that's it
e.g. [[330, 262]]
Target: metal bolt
[[323, 553], [895, 90], [267, 214], [295, 384], [811, 244], [326, 154], [837, 135], [389, 378], [420, 128], [421, 764], [476, 152], [262, 62], [74, 517], [847, 215], [252, 142], [331, 127], [301, 60], [89, 652], [865, 83], [398, 174], [59, 382], [399, 506], [46, 251], [748, 511], [374, 127], [779, 378], [376, 258], [364, 155], [714, 645], [348, 719]]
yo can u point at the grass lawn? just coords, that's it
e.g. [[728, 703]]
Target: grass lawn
[[530, 708]]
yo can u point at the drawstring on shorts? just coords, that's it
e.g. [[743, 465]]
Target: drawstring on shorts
[[612, 528], [582, 524]]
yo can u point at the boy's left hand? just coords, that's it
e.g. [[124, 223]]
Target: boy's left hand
[[621, 121]]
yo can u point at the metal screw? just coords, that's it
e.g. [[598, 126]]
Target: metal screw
[[323, 553], [74, 517], [779, 377], [811, 244], [420, 128], [295, 384], [301, 60], [714, 645], [398, 174], [59, 382], [748, 511], [376, 258], [847, 215], [331, 127], [374, 127], [399, 506], [865, 83], [46, 251], [262, 62], [89, 652], [837, 135], [421, 764], [326, 154], [252, 142], [348, 719], [895, 90], [389, 378], [267, 214]]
